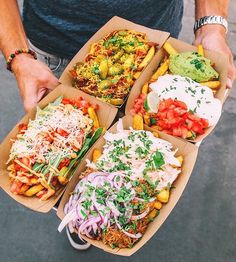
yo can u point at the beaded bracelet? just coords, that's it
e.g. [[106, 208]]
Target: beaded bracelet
[[17, 52]]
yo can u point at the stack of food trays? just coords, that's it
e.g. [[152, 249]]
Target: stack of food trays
[[120, 190]]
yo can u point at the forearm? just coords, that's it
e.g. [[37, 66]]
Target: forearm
[[207, 7], [12, 35]]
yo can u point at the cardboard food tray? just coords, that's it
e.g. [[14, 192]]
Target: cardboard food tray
[[220, 64], [189, 152], [115, 23], [106, 115]]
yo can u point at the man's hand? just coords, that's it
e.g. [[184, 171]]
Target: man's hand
[[213, 37], [34, 79]]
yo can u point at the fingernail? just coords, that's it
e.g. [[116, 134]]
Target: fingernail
[[229, 83]]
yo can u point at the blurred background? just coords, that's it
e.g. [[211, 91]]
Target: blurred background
[[201, 227]]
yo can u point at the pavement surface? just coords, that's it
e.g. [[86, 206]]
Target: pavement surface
[[201, 228]]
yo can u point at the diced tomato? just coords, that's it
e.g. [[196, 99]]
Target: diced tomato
[[26, 161], [41, 193], [73, 73], [139, 105], [95, 106], [22, 127], [64, 162], [174, 118], [204, 122], [66, 101], [62, 132], [180, 104], [16, 187]]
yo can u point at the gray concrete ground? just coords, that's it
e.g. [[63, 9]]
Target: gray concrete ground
[[201, 228]]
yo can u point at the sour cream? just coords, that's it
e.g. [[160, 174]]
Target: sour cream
[[198, 98]]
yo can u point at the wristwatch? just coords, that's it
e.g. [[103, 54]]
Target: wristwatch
[[209, 20]]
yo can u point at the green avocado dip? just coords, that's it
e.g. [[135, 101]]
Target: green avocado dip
[[193, 65]]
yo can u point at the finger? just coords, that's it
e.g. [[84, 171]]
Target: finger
[[29, 104], [231, 76], [229, 83], [31, 96], [52, 83]]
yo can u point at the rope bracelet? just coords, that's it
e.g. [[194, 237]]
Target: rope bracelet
[[18, 52]]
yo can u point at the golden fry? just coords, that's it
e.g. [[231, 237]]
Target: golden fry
[[137, 74], [33, 190], [146, 119], [147, 58], [138, 122], [63, 180], [200, 50], [211, 84], [163, 196], [145, 89], [156, 134], [180, 159], [153, 213], [96, 154], [161, 70], [23, 189], [93, 115], [157, 205], [169, 48]]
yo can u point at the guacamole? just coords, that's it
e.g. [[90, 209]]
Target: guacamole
[[193, 65]]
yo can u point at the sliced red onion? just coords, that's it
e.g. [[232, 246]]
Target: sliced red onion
[[138, 235], [137, 217]]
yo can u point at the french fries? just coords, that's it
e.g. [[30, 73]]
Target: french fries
[[138, 122], [180, 159], [33, 190], [147, 58], [146, 119], [156, 134], [157, 205], [163, 196], [169, 48], [93, 115], [200, 50], [145, 89], [161, 70], [96, 154], [153, 213], [211, 84], [137, 74]]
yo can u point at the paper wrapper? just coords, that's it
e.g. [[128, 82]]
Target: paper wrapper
[[115, 23], [106, 115], [186, 149], [220, 64]]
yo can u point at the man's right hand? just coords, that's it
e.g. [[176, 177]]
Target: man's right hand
[[34, 78]]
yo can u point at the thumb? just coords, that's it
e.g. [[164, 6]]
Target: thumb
[[31, 97], [52, 82]]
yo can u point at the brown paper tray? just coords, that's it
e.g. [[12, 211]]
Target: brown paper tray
[[115, 23], [106, 115], [189, 152], [220, 64]]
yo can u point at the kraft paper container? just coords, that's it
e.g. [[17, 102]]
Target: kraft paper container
[[220, 64], [186, 149], [115, 23], [106, 115]]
